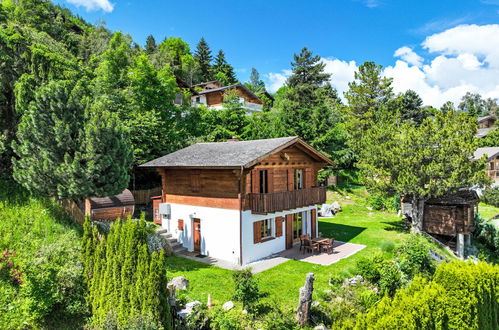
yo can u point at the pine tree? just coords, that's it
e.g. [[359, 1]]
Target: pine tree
[[224, 70], [255, 84], [151, 44], [203, 57]]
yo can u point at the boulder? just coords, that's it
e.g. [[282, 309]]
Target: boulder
[[357, 279], [228, 305], [320, 327], [189, 308], [178, 283]]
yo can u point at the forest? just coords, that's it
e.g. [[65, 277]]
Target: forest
[[82, 106]]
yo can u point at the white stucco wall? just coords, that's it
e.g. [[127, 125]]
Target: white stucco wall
[[219, 230], [253, 252]]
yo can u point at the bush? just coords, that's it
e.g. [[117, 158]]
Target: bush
[[461, 295], [246, 288], [390, 279], [486, 233], [232, 319], [491, 196], [414, 257], [387, 246], [369, 268]]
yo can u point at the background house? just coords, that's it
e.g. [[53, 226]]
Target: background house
[[492, 154], [241, 201], [486, 125]]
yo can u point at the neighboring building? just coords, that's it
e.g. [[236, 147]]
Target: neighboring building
[[211, 94], [485, 125], [492, 154], [110, 208], [241, 201]]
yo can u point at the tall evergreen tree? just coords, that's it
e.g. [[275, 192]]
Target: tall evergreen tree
[[307, 71], [223, 70], [473, 104], [203, 57], [255, 84], [151, 46], [411, 107]]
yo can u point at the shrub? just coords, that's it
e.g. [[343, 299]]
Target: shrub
[[414, 256], [369, 268], [390, 279], [486, 233], [491, 196], [378, 202], [246, 287], [387, 246], [232, 319]]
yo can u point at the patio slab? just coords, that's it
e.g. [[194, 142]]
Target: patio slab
[[341, 250]]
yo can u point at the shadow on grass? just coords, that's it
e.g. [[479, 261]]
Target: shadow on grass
[[181, 264], [339, 232], [396, 225]]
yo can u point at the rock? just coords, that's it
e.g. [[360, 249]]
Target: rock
[[178, 283], [320, 327], [228, 305], [244, 311], [315, 303], [189, 308], [357, 279], [347, 197], [369, 208], [305, 300]]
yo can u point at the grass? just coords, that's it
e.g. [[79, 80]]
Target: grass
[[487, 211], [355, 223]]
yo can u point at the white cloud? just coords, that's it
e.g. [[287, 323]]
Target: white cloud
[[409, 56], [277, 80], [462, 59], [91, 5]]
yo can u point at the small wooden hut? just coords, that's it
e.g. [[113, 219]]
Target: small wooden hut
[[110, 208]]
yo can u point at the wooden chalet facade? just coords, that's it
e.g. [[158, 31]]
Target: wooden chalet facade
[[241, 201], [110, 208], [212, 94], [486, 125], [492, 155]]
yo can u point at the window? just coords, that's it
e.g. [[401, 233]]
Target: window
[[264, 187], [298, 178], [297, 225], [492, 166], [198, 99], [266, 229]]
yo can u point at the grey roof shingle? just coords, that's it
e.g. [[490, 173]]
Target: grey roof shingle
[[489, 151], [483, 132], [222, 154]]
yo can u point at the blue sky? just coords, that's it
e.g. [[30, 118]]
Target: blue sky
[[265, 34]]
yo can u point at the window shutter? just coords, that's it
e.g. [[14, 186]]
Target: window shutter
[[180, 224], [255, 181], [257, 230], [278, 226], [291, 178], [308, 178], [313, 223], [270, 180]]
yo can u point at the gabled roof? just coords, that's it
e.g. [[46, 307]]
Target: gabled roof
[[480, 119], [231, 154], [490, 152], [483, 132], [123, 199]]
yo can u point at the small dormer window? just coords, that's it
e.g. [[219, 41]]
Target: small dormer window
[[198, 99]]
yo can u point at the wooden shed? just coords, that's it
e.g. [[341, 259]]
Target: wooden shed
[[110, 208], [450, 215]]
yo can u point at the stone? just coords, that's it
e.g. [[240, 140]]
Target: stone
[[369, 208], [228, 305], [244, 311], [305, 300], [178, 283], [347, 197], [320, 327], [357, 279], [315, 303], [189, 308]]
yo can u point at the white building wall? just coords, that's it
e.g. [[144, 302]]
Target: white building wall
[[256, 251], [219, 230]]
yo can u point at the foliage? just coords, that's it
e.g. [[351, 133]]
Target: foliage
[[126, 282], [223, 71], [47, 252], [486, 232], [390, 277], [379, 202], [414, 257], [474, 105], [203, 57], [491, 196], [411, 108], [369, 268], [151, 46], [246, 287], [232, 319], [460, 295]]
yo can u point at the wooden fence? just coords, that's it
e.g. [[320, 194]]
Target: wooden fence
[[285, 200], [144, 196], [73, 210]]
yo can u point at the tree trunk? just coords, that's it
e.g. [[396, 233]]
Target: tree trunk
[[417, 214], [305, 300]]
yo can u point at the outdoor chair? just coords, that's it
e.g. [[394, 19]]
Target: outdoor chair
[[302, 239], [328, 246], [310, 246]]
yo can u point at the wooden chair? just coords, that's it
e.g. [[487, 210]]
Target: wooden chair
[[309, 245], [303, 238], [328, 245]]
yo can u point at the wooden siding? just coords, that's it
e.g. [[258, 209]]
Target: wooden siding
[[487, 123], [286, 200], [208, 183], [144, 196], [112, 213], [448, 220], [493, 169]]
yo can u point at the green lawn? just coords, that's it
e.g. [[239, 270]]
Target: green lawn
[[487, 211], [355, 223]]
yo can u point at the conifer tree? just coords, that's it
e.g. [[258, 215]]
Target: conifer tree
[[150, 44], [203, 57], [224, 70]]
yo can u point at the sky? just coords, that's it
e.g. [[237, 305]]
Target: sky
[[441, 48]]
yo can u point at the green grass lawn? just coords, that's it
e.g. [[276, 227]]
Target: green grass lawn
[[355, 223], [487, 211]]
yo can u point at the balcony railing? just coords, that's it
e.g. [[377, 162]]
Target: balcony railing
[[286, 200]]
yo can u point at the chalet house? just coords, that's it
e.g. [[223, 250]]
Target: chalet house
[[492, 154], [485, 125], [241, 201], [211, 94]]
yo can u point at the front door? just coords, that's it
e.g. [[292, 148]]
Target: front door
[[297, 226], [197, 234]]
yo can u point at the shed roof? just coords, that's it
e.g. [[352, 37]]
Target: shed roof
[[461, 197], [482, 132], [491, 152], [480, 119], [123, 199], [231, 154]]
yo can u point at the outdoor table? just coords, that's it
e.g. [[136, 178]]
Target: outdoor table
[[320, 240]]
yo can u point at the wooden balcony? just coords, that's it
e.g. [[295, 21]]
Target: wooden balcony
[[286, 200]]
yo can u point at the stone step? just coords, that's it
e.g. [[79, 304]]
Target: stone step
[[175, 244], [179, 249], [166, 235], [160, 231]]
